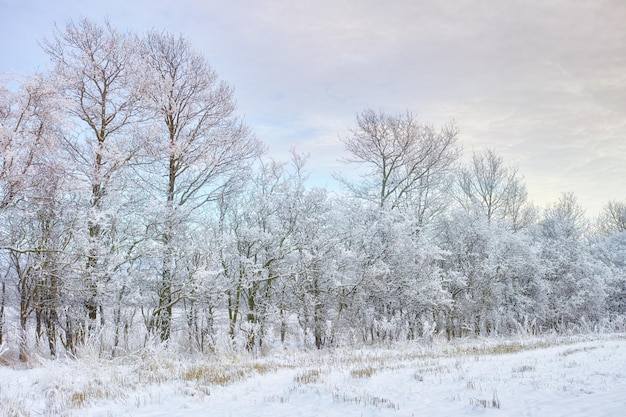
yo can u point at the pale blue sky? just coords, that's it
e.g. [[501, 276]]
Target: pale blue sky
[[543, 82]]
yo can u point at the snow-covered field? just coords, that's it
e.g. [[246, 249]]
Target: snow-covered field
[[573, 376]]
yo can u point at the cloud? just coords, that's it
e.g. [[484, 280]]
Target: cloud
[[542, 82]]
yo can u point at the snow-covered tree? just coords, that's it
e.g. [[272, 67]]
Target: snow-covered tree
[[575, 281], [493, 276], [197, 150], [259, 227], [94, 67]]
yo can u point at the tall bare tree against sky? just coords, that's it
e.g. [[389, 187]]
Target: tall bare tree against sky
[[199, 149], [94, 68], [489, 187], [395, 153]]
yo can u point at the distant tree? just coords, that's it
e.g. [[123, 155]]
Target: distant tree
[[390, 279], [311, 279], [399, 156], [405, 168], [609, 246], [612, 218], [494, 276], [490, 188], [564, 219]]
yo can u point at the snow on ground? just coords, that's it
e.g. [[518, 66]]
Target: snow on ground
[[581, 376]]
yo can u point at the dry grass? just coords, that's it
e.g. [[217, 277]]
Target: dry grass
[[471, 384], [276, 399], [161, 369], [364, 399], [568, 352], [363, 372], [11, 407], [310, 376], [494, 403], [523, 369], [503, 348]]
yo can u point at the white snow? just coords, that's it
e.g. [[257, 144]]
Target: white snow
[[566, 376]]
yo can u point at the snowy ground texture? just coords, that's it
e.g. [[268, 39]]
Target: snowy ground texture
[[555, 376]]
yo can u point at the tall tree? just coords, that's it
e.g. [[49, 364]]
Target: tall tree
[[199, 149], [94, 66]]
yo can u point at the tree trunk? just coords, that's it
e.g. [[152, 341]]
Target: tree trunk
[[2, 303]]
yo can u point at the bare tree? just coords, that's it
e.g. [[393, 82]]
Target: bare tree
[[398, 155], [200, 148], [496, 191], [612, 218], [94, 68]]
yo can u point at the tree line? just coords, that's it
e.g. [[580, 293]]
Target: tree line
[[136, 207]]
